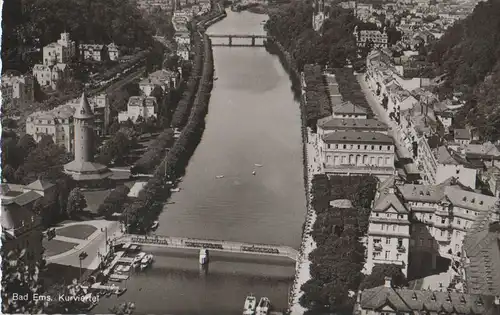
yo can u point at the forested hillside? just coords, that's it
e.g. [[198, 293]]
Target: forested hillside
[[469, 55], [291, 25], [30, 24]]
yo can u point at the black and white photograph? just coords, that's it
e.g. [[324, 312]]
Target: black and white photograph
[[255, 157]]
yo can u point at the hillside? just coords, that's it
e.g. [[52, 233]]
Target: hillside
[[30, 24], [469, 55]]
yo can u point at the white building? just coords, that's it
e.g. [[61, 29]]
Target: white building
[[426, 220], [50, 75], [17, 91], [183, 51], [95, 52], [143, 106], [113, 52], [377, 38], [165, 79], [59, 52]]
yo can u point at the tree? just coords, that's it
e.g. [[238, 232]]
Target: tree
[[8, 174], [380, 272], [76, 202], [26, 145]]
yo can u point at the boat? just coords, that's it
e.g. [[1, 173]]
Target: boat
[[203, 256], [216, 78], [263, 306], [146, 261], [120, 291], [254, 172], [126, 269], [175, 190], [119, 268], [258, 165], [169, 182], [250, 304], [155, 225], [219, 176]]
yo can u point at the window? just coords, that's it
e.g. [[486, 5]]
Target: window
[[373, 147], [443, 221], [442, 233], [388, 241], [345, 147], [380, 148], [458, 221]]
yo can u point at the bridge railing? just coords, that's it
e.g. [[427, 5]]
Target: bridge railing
[[214, 245]]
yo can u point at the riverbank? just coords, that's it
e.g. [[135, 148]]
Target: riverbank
[[310, 167]]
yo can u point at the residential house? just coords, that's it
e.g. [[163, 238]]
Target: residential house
[[94, 52], [377, 38], [113, 52], [59, 52], [17, 90], [139, 106], [462, 136], [50, 75], [21, 226], [387, 300], [165, 79]]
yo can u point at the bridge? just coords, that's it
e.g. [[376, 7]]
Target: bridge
[[215, 245], [252, 43]]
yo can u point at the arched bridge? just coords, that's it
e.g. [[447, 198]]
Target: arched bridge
[[216, 245], [248, 40]]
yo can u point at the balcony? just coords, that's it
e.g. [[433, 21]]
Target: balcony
[[401, 249], [377, 247]]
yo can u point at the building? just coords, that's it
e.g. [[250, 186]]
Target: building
[[59, 52], [481, 254], [139, 106], [329, 124], [17, 91], [113, 52], [413, 223], [95, 52], [357, 153], [83, 168], [182, 38], [165, 79], [183, 51], [387, 300], [377, 38], [21, 226], [58, 122], [50, 75], [320, 14], [462, 136], [349, 110]]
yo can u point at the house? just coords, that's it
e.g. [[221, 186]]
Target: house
[[139, 106], [59, 52], [93, 52], [356, 153], [17, 90], [113, 52], [462, 136], [183, 51], [431, 220], [377, 38], [21, 226], [385, 300], [50, 75], [165, 79]]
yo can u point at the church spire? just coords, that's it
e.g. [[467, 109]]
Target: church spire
[[84, 111]]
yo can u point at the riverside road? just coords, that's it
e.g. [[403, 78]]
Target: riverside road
[[253, 124]]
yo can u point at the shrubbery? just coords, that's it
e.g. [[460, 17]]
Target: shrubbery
[[114, 201], [317, 102], [154, 153]]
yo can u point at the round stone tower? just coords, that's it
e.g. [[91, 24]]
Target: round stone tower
[[83, 121]]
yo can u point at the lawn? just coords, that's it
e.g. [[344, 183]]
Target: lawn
[[80, 231], [95, 198], [55, 247]]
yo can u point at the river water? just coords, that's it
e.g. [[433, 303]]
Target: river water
[[252, 119]]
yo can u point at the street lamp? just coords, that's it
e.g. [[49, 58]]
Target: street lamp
[[81, 257]]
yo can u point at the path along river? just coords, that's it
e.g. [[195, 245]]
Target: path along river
[[252, 119]]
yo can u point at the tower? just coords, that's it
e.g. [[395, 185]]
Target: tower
[[83, 121], [83, 168]]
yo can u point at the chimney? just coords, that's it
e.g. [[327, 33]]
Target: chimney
[[388, 282]]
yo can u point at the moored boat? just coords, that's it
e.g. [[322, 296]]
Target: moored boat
[[219, 176], [146, 261], [203, 256], [175, 190], [250, 304], [263, 306], [155, 225]]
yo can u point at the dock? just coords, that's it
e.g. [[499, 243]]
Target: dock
[[118, 277], [126, 260], [117, 258]]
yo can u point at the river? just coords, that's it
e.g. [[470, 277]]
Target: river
[[252, 119]]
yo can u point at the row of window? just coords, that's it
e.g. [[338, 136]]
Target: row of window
[[359, 160], [360, 147]]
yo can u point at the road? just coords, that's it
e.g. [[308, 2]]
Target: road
[[383, 116]]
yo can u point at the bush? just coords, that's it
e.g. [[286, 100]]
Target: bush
[[154, 153]]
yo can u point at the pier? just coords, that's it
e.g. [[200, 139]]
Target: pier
[[216, 245], [249, 40]]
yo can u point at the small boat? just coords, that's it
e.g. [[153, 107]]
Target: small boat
[[175, 190], [155, 225], [146, 261], [258, 165], [203, 256], [169, 182], [216, 78], [263, 306], [254, 172], [120, 291], [250, 304], [219, 176]]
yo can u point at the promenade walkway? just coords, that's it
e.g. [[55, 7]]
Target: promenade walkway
[[308, 244]]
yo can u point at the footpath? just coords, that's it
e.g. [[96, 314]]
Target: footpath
[[302, 274]]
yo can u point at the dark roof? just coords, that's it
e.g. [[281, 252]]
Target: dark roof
[[354, 124], [387, 200], [84, 111], [405, 300], [40, 185], [358, 137], [13, 216], [348, 108], [462, 134]]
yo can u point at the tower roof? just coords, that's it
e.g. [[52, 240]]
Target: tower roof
[[84, 111]]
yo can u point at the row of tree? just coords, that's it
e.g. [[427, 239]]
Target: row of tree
[[316, 99], [154, 153], [338, 260]]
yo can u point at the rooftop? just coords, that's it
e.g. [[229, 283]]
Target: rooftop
[[353, 124], [358, 137], [348, 108]]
